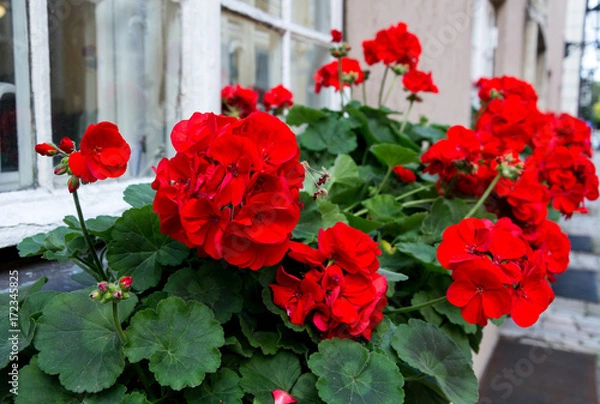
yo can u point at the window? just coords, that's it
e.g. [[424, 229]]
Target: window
[[118, 61], [16, 167], [265, 43]]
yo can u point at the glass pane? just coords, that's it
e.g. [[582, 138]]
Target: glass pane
[[9, 151], [315, 14], [272, 7], [119, 61], [306, 59], [250, 54]]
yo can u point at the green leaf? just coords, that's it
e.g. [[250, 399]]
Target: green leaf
[[305, 390], [428, 349], [221, 388], [139, 248], [310, 219], [135, 398], [392, 276], [139, 195], [444, 213], [330, 213], [361, 224], [431, 133], [344, 183], [77, 340], [422, 252], [267, 341], [453, 314], [299, 114], [212, 284], [101, 226], [263, 374], [180, 340], [331, 134], [379, 126], [383, 208], [31, 246], [392, 155], [348, 373], [59, 244]]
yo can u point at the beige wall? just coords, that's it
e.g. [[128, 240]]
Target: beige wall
[[444, 28], [556, 51]]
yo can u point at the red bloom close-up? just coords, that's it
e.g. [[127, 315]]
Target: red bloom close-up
[[328, 75], [103, 153], [238, 101], [278, 97], [417, 81]]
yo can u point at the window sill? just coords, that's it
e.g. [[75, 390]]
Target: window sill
[[25, 213]]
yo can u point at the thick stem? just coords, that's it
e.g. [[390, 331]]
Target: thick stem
[[382, 86], [406, 116], [120, 333], [485, 195], [418, 306], [88, 239]]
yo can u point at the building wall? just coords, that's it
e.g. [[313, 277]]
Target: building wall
[[444, 28], [575, 15]]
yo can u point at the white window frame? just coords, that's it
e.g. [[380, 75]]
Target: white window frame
[[25, 213]]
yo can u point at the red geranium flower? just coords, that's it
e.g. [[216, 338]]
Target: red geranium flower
[[238, 101], [392, 46], [327, 76], [46, 149], [278, 97], [104, 153], [336, 36], [404, 174], [66, 145], [417, 81]]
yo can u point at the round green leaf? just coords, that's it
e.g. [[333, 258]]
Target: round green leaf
[[139, 195], [34, 384], [77, 340], [213, 285], [428, 349], [180, 340], [305, 390], [263, 374], [222, 387], [135, 398], [348, 373], [138, 248], [392, 155]]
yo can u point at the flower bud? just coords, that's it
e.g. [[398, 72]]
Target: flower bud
[[103, 286], [95, 295], [66, 145], [336, 35], [125, 283], [117, 294], [61, 169], [73, 184], [46, 149], [399, 70]]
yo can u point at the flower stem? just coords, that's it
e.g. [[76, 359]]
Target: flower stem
[[418, 306], [364, 92], [387, 95], [485, 195], [414, 191], [418, 202], [120, 333], [387, 175], [86, 235], [382, 86], [406, 116]]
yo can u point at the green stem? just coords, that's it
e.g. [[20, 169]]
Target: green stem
[[387, 175], [418, 306], [382, 86], [120, 333], [406, 116], [485, 195], [341, 84], [387, 95], [414, 191], [145, 382], [417, 202], [88, 239], [364, 92]]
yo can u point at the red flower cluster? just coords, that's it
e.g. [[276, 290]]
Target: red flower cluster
[[232, 189], [495, 272], [417, 81], [328, 75], [238, 101], [278, 97], [404, 174], [393, 46], [341, 291], [104, 154]]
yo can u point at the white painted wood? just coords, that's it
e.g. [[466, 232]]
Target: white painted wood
[[286, 46], [201, 56], [40, 87]]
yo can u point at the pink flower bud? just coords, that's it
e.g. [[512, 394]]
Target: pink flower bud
[[96, 295], [46, 149], [66, 145], [125, 283], [117, 294], [60, 170], [282, 397], [73, 184], [103, 286]]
